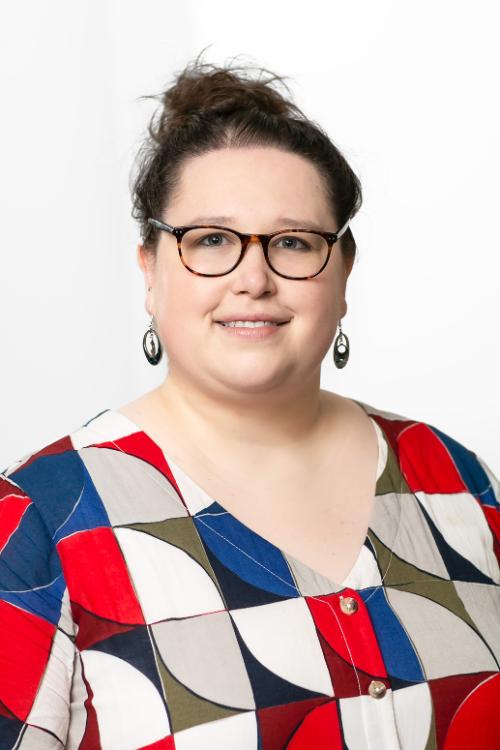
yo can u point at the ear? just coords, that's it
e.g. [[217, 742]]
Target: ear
[[348, 264], [344, 310], [145, 261]]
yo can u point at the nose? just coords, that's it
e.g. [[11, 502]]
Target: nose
[[254, 240], [259, 259], [261, 269]]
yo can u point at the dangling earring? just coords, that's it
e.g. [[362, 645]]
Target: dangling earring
[[156, 352], [341, 349]]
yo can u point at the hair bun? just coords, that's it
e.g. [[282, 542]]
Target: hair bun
[[202, 89]]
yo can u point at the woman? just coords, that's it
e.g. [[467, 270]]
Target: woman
[[240, 559]]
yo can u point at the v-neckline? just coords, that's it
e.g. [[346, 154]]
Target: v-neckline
[[177, 471]]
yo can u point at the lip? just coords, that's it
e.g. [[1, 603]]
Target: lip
[[252, 318], [245, 332]]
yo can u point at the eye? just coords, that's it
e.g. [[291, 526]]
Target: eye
[[292, 242], [211, 236]]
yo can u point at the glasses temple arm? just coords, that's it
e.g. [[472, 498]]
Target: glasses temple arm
[[343, 229], [160, 224]]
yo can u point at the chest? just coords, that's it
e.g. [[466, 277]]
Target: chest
[[321, 518]]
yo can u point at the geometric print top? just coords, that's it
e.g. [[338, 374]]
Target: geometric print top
[[137, 613]]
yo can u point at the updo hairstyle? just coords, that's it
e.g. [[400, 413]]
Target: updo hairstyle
[[207, 107]]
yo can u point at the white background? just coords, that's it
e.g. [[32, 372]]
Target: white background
[[407, 91]]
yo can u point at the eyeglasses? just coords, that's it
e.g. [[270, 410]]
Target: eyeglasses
[[212, 250]]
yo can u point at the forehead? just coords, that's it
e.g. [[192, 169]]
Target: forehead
[[283, 221], [238, 184]]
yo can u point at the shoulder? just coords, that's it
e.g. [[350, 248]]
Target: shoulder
[[434, 461], [52, 476], [454, 487]]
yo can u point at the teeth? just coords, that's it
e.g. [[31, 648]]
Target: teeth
[[249, 323]]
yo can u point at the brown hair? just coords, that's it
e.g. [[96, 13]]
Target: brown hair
[[209, 107]]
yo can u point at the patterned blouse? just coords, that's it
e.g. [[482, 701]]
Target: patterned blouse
[[137, 613]]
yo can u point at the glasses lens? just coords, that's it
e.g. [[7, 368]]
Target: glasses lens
[[296, 253], [210, 250]]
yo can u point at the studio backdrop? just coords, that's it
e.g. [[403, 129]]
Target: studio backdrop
[[407, 91]]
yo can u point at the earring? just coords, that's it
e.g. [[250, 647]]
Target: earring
[[341, 349], [156, 352]]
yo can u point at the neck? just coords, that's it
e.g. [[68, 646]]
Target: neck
[[256, 422]]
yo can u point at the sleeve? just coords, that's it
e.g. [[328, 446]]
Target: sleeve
[[37, 649], [489, 497], [476, 477]]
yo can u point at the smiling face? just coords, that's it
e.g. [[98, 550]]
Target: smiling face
[[252, 187]]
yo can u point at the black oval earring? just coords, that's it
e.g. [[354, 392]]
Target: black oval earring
[[156, 352], [341, 349]]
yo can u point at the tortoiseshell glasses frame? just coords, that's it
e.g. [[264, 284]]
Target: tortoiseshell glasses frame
[[264, 239]]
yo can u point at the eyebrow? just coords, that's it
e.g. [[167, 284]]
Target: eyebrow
[[284, 222]]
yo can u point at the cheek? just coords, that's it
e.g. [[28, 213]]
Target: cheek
[[320, 315], [185, 310], [320, 302]]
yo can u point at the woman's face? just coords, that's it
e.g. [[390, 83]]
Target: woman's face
[[251, 188]]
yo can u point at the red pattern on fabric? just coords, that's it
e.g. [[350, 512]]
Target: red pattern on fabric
[[278, 723], [26, 652], [92, 629], [363, 649], [319, 730], [493, 518], [426, 462], [472, 725], [12, 509], [62, 445], [166, 744], [448, 693], [97, 576], [392, 429], [140, 445], [348, 681], [91, 739]]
